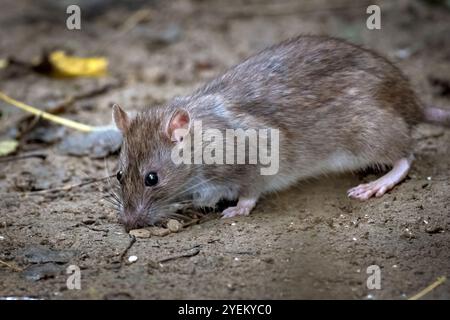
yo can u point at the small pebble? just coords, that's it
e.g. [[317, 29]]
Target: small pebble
[[407, 234], [434, 229], [174, 225], [88, 221], [230, 286], [140, 233], [155, 75], [429, 178], [132, 259], [2, 238], [153, 264], [268, 260], [403, 53], [159, 232]]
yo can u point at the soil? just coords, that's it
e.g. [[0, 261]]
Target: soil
[[309, 242]]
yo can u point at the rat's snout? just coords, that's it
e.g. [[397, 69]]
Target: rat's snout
[[132, 222], [133, 219]]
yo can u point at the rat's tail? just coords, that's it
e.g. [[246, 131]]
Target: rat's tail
[[437, 115]]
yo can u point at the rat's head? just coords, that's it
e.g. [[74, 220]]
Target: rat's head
[[150, 181]]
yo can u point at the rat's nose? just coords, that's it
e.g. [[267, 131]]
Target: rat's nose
[[132, 221]]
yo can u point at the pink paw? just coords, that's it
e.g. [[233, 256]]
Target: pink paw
[[383, 184], [236, 211], [367, 190]]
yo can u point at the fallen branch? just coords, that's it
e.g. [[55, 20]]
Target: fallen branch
[[193, 252], [430, 288], [45, 115], [17, 269]]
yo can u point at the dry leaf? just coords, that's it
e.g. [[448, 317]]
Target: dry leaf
[[71, 66], [3, 63], [8, 146]]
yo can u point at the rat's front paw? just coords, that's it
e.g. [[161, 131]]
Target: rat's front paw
[[243, 208], [236, 211]]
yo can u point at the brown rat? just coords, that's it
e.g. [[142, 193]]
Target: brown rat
[[338, 107]]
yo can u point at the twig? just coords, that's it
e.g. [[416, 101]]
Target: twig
[[45, 115], [40, 155], [190, 223], [130, 244], [250, 253], [431, 136], [87, 226], [97, 91], [130, 23], [69, 187], [17, 269], [430, 288], [193, 252], [96, 229]]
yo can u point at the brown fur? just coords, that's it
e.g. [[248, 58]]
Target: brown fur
[[327, 97]]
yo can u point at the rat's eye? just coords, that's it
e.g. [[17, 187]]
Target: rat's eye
[[151, 179], [119, 176]]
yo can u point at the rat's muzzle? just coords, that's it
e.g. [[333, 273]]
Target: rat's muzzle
[[133, 221]]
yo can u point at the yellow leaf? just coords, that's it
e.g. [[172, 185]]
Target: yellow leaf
[[71, 66], [3, 63], [7, 147]]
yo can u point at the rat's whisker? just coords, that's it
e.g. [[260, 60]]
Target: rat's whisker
[[185, 191], [112, 186], [112, 198], [114, 195], [112, 203]]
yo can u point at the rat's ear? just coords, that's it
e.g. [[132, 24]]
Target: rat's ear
[[178, 125], [120, 118]]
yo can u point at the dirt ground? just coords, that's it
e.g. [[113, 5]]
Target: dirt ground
[[309, 242]]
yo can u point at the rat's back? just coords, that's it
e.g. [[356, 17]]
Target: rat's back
[[338, 107], [310, 74]]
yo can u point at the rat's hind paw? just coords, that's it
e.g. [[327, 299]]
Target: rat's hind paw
[[365, 191], [383, 184]]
